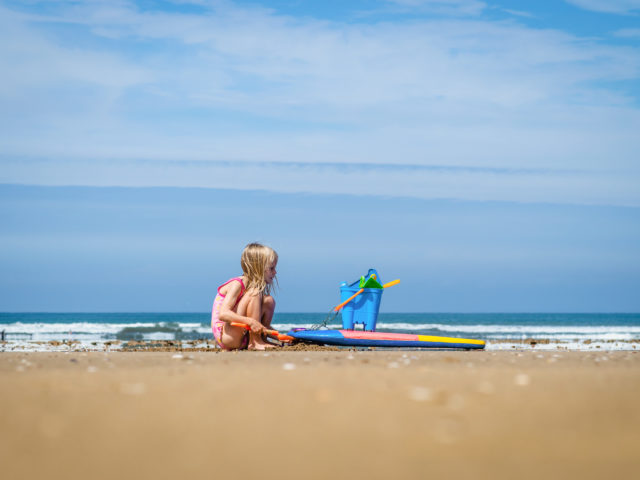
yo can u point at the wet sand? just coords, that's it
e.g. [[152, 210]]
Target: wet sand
[[320, 414]]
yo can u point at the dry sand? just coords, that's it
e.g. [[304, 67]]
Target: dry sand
[[320, 414]]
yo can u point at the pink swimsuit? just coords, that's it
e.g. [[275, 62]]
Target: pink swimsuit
[[216, 323]]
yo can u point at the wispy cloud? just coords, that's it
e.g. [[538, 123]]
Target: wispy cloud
[[608, 6], [94, 81], [518, 13], [411, 181], [448, 7], [628, 33]]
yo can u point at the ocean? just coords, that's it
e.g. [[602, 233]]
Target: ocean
[[92, 331]]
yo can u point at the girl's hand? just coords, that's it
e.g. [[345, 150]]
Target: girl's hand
[[256, 327]]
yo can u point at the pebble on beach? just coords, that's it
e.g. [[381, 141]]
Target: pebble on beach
[[133, 389], [522, 380], [420, 394], [486, 388]]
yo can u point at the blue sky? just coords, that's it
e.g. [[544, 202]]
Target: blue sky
[[486, 153]]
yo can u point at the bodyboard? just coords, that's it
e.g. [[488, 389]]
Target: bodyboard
[[359, 338]]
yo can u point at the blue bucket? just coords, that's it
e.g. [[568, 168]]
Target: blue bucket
[[361, 310]]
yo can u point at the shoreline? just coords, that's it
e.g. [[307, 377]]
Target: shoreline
[[206, 344], [318, 414]]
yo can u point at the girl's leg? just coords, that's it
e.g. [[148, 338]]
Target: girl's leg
[[268, 307], [255, 311], [235, 338], [232, 337]]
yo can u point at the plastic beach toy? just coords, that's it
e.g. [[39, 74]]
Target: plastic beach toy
[[370, 281], [357, 338], [364, 308], [370, 310], [272, 333]]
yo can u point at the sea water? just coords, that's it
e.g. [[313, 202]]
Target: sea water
[[574, 331]]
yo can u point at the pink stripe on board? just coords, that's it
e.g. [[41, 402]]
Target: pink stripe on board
[[362, 335]]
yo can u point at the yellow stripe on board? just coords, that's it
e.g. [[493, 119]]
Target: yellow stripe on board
[[427, 338]]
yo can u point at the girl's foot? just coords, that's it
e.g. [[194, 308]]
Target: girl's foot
[[260, 345]]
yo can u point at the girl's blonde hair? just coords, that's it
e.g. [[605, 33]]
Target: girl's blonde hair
[[255, 259]]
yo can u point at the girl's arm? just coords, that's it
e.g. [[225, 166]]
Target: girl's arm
[[228, 315]]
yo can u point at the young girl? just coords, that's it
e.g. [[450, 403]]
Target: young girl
[[247, 300]]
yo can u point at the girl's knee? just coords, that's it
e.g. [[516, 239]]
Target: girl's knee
[[253, 304], [268, 303]]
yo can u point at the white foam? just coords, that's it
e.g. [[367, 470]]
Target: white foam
[[518, 329], [102, 328], [75, 327], [76, 346], [572, 346], [562, 333], [159, 336], [285, 327], [607, 337]]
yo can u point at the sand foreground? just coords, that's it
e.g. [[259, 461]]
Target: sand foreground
[[320, 414]]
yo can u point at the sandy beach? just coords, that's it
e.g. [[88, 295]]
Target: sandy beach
[[320, 414]]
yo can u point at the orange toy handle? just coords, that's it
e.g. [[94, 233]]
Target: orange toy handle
[[285, 338], [274, 333], [241, 325], [339, 306]]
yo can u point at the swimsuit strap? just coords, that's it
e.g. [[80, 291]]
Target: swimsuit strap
[[242, 287]]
